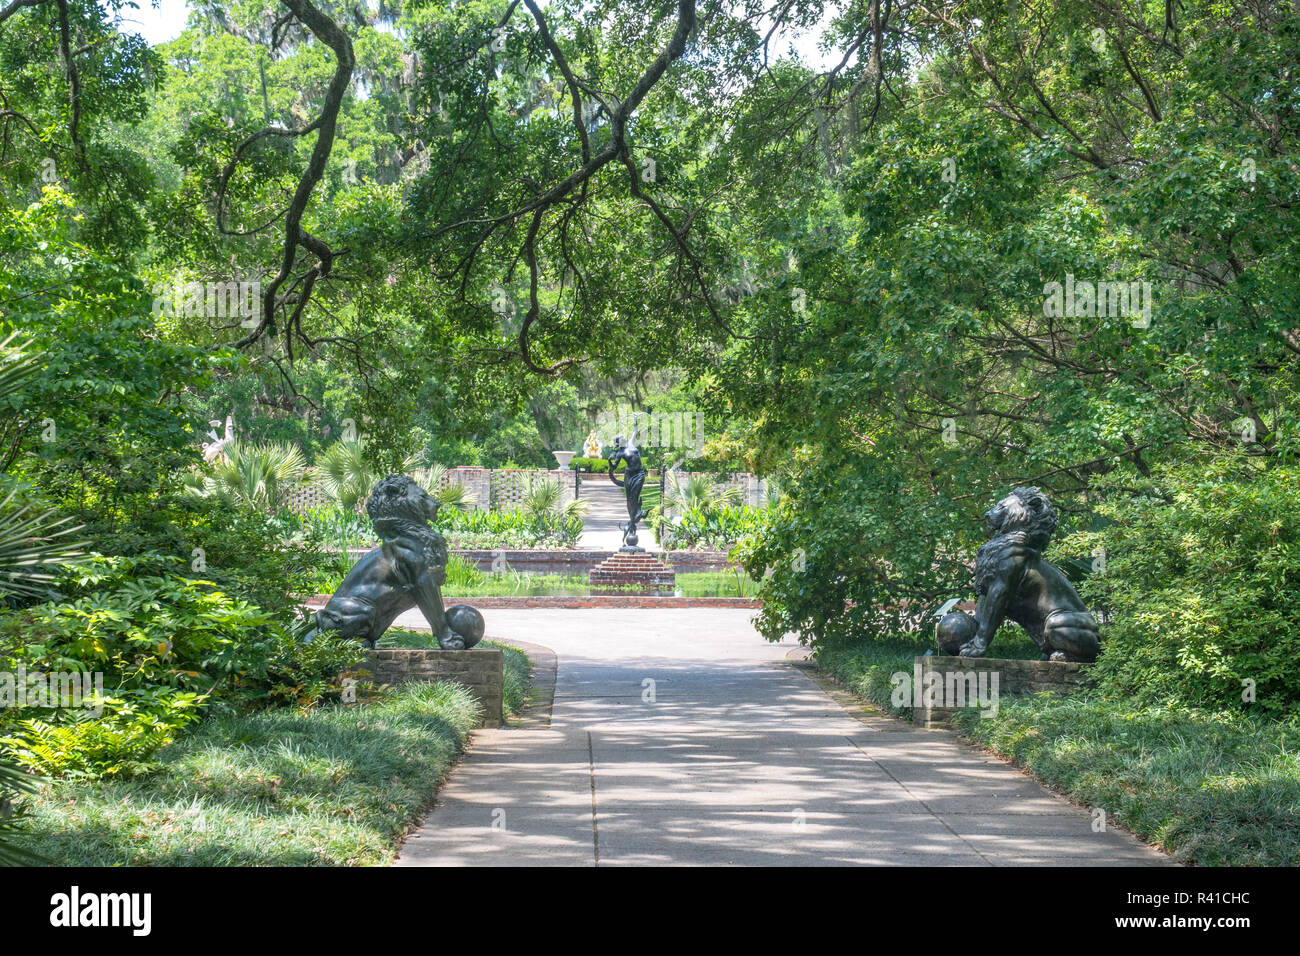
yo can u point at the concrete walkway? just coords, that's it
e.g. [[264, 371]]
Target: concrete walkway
[[731, 756], [608, 509]]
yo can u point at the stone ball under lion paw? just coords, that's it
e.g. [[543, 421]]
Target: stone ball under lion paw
[[954, 629], [467, 622]]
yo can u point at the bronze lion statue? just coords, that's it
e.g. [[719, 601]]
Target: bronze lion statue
[[407, 571], [1012, 581]]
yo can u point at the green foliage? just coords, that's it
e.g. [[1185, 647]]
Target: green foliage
[[305, 675], [338, 785], [32, 544], [450, 494], [855, 551], [552, 526], [545, 503], [1201, 586], [256, 477], [463, 576], [596, 465], [14, 813], [121, 742], [699, 492], [345, 473], [715, 527]]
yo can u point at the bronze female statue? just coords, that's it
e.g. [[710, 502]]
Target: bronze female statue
[[633, 479]]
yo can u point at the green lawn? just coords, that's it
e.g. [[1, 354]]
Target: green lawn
[[338, 786], [1213, 789]]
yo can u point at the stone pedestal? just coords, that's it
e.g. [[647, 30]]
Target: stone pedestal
[[970, 681], [480, 669], [637, 567]]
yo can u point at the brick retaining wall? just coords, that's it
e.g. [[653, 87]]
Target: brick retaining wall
[[1015, 677], [481, 670]]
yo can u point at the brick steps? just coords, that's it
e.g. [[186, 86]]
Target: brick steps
[[633, 568]]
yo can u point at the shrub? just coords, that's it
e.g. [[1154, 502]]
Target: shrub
[[1201, 586], [119, 742], [300, 674], [594, 465], [554, 524], [712, 526]]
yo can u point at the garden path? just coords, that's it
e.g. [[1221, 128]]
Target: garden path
[[682, 737], [608, 509]]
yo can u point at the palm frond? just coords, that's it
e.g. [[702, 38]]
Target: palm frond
[[686, 493], [17, 363], [544, 497], [31, 543], [12, 783], [450, 494], [253, 476], [344, 473]]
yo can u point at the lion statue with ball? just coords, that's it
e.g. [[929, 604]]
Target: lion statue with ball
[[407, 571], [1012, 581]]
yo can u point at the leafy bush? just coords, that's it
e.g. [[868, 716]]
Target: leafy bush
[[166, 645], [303, 675], [140, 628], [1201, 586], [553, 526], [123, 741], [595, 465], [855, 553], [707, 526]]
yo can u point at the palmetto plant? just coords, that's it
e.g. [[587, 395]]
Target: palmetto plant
[[434, 480], [545, 499], [31, 542], [255, 475], [14, 782], [346, 475], [697, 492], [17, 363]]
